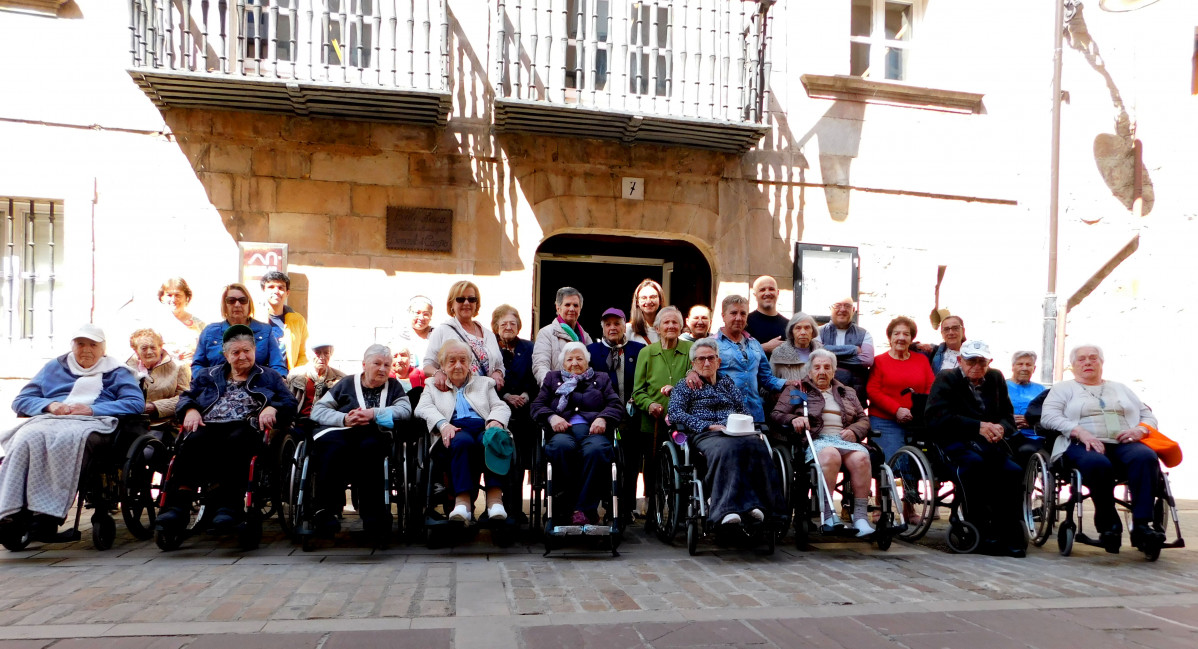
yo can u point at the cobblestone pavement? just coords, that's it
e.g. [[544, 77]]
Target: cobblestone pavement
[[653, 595]]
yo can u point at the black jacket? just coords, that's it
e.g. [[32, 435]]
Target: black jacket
[[264, 384], [954, 415]]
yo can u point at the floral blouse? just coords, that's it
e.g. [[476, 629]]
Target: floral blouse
[[695, 410]]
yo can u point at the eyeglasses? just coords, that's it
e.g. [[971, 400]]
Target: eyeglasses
[[842, 307], [237, 300], [464, 298], [954, 328], [706, 359]]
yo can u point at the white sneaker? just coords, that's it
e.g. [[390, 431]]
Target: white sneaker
[[496, 512], [757, 514], [863, 527], [831, 521], [731, 519], [460, 514]]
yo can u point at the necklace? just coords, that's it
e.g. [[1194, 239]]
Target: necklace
[[1101, 393]]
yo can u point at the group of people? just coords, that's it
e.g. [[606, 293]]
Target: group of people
[[487, 396]]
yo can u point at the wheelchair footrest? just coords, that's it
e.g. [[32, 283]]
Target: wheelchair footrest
[[582, 530]]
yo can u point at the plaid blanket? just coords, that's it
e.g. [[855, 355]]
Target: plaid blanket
[[43, 460]]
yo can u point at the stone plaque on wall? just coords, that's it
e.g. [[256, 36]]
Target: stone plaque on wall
[[419, 228]]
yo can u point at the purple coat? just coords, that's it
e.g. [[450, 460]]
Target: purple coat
[[592, 398]]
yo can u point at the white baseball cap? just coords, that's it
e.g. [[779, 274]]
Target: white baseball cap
[[89, 331], [975, 349]]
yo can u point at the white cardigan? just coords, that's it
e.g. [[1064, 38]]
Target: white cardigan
[[436, 405], [1063, 409]]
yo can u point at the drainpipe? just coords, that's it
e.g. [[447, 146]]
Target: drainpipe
[[1050, 370]]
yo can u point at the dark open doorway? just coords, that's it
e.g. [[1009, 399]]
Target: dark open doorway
[[607, 269]]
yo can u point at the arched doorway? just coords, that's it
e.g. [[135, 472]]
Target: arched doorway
[[607, 269]]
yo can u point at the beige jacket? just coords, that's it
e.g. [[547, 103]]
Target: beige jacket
[[547, 349], [163, 385], [436, 406]]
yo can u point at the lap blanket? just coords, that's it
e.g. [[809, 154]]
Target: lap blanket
[[43, 460]]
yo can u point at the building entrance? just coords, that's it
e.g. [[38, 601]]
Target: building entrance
[[607, 269]]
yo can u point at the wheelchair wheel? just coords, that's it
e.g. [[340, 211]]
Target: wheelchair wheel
[[15, 536], [103, 531], [168, 541], [287, 484], [412, 527], [882, 537], [917, 487], [139, 486], [963, 537], [1039, 499], [249, 537], [692, 536], [1065, 537], [668, 494], [786, 472]]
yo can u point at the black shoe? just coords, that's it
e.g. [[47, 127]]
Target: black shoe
[[991, 548], [325, 524], [171, 519], [1015, 552], [44, 528], [225, 519], [1144, 535], [1110, 540]]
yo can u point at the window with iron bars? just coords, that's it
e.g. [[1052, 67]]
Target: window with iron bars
[[32, 253], [590, 46]]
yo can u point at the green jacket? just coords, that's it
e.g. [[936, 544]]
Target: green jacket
[[656, 367]]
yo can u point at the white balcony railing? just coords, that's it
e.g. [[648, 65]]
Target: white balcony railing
[[701, 59], [369, 42]]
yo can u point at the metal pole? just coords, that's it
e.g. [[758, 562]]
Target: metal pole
[[1048, 369]]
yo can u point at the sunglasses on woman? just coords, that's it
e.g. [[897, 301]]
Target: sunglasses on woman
[[471, 299], [237, 300]]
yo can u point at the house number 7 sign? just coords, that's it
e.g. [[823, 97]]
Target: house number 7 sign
[[634, 189]]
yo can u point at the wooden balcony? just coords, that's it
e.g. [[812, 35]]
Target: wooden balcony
[[674, 72], [352, 59]]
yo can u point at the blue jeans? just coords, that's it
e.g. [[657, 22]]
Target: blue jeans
[[891, 435], [466, 457], [585, 460]]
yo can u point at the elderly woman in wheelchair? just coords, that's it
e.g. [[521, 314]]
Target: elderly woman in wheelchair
[[228, 414], [741, 475], [582, 409], [838, 428], [73, 404], [356, 421], [1099, 426]]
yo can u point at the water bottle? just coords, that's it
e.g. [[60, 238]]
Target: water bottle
[[679, 438]]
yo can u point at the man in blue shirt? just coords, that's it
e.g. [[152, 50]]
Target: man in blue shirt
[[1022, 391]]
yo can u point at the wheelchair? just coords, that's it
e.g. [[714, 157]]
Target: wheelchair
[[430, 499], [925, 481], [123, 473], [680, 497], [264, 495], [557, 531], [1054, 489], [300, 491], [815, 498]]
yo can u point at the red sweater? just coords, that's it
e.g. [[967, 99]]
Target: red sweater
[[890, 377]]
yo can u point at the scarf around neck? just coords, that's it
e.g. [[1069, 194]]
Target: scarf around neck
[[570, 382], [570, 331], [90, 381]]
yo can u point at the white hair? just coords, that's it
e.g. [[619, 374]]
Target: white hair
[[821, 353], [1025, 354], [571, 346], [377, 350], [1073, 353], [704, 342]]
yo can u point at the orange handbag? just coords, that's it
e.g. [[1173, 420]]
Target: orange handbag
[[1166, 449]]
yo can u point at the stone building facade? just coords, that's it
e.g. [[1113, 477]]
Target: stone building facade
[[947, 166]]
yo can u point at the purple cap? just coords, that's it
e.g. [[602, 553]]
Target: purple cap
[[613, 311]]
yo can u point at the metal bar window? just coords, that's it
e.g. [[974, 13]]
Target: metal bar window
[[32, 252]]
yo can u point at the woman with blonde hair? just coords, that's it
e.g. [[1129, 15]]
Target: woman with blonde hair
[[646, 302], [463, 305]]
